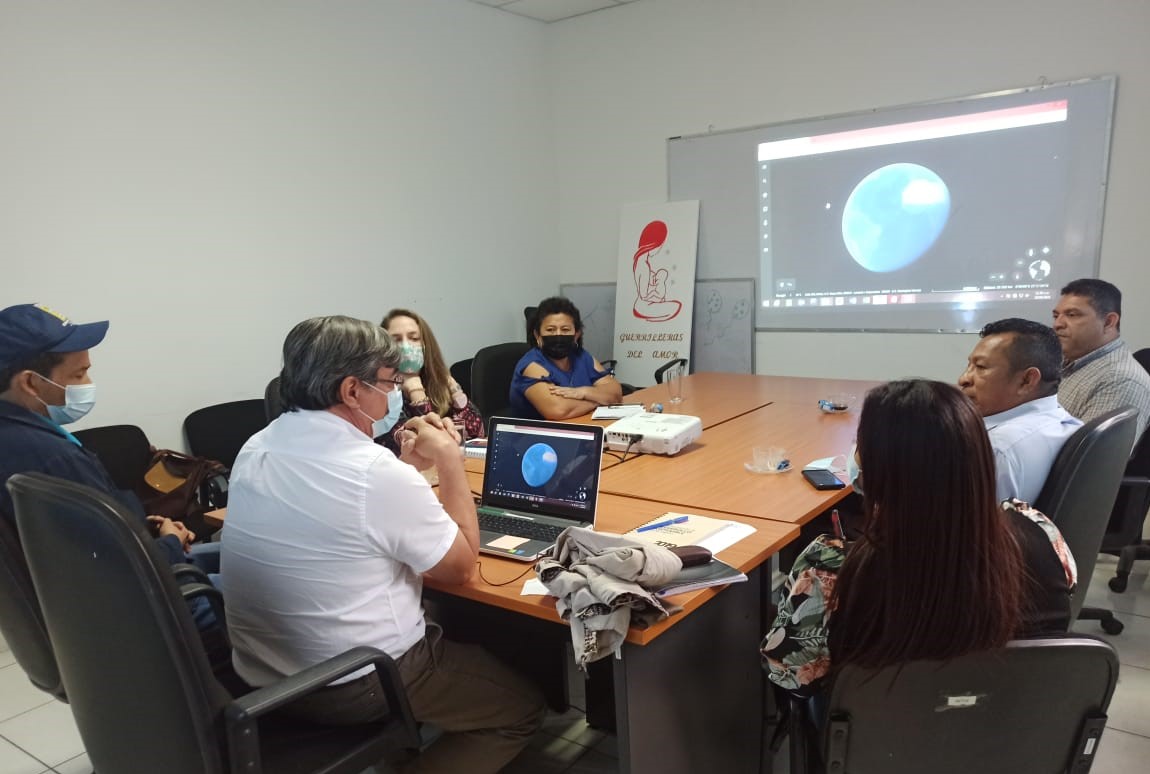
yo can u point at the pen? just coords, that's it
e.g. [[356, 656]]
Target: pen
[[658, 524], [838, 525]]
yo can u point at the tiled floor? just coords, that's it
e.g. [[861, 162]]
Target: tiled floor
[[37, 734]]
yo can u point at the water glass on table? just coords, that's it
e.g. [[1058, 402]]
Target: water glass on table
[[674, 379]]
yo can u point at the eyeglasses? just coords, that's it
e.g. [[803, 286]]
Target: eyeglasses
[[387, 384]]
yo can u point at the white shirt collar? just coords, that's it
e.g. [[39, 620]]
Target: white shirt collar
[[1036, 406]]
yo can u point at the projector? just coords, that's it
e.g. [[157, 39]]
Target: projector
[[656, 433]]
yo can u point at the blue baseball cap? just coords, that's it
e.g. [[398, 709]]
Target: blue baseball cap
[[27, 330]]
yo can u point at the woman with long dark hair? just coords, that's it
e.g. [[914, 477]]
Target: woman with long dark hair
[[941, 569]]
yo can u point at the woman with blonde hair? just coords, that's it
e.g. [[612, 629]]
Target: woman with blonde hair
[[427, 383]]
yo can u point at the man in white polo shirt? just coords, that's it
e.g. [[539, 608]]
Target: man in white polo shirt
[[1012, 377], [328, 538]]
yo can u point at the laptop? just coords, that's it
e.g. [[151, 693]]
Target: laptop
[[540, 478]]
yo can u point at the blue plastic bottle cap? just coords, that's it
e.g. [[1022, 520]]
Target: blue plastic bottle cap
[[657, 408]]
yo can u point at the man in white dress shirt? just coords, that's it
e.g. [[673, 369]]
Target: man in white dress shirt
[[1012, 376], [329, 536]]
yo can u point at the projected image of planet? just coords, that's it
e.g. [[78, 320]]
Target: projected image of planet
[[894, 215], [539, 463]]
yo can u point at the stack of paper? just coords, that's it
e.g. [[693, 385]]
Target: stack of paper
[[713, 534], [713, 573]]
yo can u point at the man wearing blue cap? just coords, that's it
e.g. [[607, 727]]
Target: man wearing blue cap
[[44, 385]]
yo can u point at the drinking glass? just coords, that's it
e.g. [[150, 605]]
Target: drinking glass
[[674, 379]]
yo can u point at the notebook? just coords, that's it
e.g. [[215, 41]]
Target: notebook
[[540, 478]]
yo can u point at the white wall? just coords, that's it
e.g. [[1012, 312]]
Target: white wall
[[206, 174], [626, 79]]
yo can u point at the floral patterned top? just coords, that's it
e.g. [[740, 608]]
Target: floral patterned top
[[795, 651], [468, 416]]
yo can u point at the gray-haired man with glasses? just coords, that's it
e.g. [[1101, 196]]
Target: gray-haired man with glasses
[[327, 540]]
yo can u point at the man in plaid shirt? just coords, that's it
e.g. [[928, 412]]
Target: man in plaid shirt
[[1098, 372]]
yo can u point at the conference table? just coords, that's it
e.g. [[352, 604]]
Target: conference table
[[713, 398], [619, 514], [711, 473], [689, 691], [719, 398]]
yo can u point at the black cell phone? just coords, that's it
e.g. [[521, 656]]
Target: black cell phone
[[822, 479]]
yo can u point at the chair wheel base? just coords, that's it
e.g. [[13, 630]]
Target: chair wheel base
[[1118, 584], [1112, 626]]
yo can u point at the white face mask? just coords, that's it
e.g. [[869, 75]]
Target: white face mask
[[394, 405], [79, 399]]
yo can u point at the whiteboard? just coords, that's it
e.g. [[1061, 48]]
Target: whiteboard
[[1022, 213], [723, 338], [596, 304], [723, 334]]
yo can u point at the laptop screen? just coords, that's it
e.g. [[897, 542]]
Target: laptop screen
[[546, 467]]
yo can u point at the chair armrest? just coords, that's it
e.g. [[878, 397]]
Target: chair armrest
[[263, 700], [214, 490], [1129, 513], [240, 717], [214, 596], [1136, 481], [189, 573]]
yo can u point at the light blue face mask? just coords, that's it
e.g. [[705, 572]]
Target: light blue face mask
[[79, 399], [854, 472], [382, 425]]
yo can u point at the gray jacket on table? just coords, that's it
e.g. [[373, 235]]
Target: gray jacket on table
[[599, 579]]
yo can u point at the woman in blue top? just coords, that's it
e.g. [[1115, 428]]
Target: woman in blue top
[[558, 379]]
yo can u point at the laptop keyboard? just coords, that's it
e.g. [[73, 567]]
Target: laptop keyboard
[[508, 525]]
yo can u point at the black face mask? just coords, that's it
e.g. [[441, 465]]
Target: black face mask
[[557, 347]]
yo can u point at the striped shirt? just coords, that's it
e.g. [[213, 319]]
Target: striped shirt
[[1103, 380]]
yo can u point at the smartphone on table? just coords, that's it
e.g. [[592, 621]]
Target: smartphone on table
[[822, 479]]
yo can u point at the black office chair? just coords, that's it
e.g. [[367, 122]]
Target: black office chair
[[668, 366], [140, 688], [1034, 706], [461, 373], [529, 313], [21, 621], [1079, 494], [124, 450], [219, 432], [1124, 535], [273, 403], [491, 374], [126, 455]]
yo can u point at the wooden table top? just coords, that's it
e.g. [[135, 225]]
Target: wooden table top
[[712, 397], [617, 514], [710, 473], [716, 398], [803, 389]]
